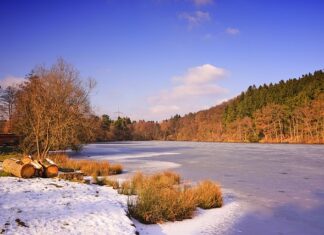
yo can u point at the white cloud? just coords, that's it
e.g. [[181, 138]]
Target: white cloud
[[190, 92], [11, 81], [201, 74], [232, 31], [161, 109], [203, 2], [195, 18]]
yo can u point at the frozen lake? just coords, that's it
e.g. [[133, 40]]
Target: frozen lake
[[281, 186]]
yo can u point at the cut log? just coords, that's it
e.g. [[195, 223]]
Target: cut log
[[18, 168], [39, 170], [50, 168], [26, 159]]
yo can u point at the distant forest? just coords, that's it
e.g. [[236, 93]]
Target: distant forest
[[290, 111]]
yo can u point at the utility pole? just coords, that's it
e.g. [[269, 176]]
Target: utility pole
[[119, 114]]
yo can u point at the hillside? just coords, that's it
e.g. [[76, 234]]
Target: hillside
[[290, 111]]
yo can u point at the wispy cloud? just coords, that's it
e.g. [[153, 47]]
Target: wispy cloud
[[11, 81], [203, 2], [190, 92], [232, 31], [196, 18]]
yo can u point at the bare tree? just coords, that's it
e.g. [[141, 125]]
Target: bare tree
[[7, 101], [53, 110]]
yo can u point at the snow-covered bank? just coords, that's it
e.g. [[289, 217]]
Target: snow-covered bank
[[51, 206]]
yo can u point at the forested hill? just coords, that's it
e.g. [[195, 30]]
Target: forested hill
[[292, 93], [290, 111]]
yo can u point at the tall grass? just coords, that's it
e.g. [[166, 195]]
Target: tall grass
[[89, 167], [161, 197], [157, 205], [164, 179], [208, 195], [4, 156], [131, 187]]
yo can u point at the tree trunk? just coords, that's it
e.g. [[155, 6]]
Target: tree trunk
[[18, 168], [50, 168]]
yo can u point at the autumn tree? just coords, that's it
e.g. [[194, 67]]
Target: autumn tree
[[53, 109], [122, 129], [7, 101]]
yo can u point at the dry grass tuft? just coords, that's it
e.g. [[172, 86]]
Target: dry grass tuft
[[89, 167], [166, 178], [105, 181], [208, 195], [112, 183], [157, 203], [131, 187], [115, 169], [161, 197]]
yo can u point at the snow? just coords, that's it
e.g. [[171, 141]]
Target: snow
[[136, 155], [52, 206], [212, 221]]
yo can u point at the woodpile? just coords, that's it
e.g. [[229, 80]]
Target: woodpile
[[18, 168], [27, 167], [39, 170]]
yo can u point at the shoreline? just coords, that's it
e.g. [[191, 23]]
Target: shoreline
[[80, 208], [196, 141]]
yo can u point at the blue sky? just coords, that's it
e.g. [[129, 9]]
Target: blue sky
[[155, 58]]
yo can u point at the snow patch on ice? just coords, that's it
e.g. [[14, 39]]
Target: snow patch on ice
[[134, 155]]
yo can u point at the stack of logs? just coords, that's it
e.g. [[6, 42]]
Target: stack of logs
[[27, 167]]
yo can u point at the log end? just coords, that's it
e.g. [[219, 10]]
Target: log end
[[27, 171], [51, 171]]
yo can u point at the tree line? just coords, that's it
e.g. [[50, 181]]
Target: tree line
[[51, 111], [290, 111]]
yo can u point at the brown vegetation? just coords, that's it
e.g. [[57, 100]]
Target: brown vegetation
[[131, 187], [208, 195], [89, 167], [157, 204], [10, 155], [161, 197]]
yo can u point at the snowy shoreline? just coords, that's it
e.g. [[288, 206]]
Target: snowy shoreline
[[51, 206]]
